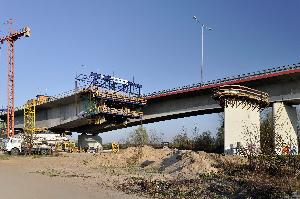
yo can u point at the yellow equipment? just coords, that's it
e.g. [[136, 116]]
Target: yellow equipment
[[29, 116], [68, 146], [115, 147]]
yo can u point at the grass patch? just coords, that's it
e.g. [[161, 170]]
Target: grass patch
[[131, 169], [4, 156], [56, 173], [48, 172]]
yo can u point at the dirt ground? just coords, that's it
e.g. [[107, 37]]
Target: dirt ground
[[89, 176]]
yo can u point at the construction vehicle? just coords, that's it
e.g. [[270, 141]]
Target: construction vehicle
[[39, 143], [17, 145], [33, 140]]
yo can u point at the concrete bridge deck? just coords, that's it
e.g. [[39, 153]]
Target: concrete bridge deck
[[64, 113]]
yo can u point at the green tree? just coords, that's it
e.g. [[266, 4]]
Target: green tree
[[208, 143], [204, 142], [138, 137], [267, 137], [182, 141], [219, 140], [155, 139]]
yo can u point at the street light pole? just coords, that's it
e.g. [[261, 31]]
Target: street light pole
[[202, 44], [202, 53]]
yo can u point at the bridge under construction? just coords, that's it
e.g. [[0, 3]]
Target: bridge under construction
[[101, 103]]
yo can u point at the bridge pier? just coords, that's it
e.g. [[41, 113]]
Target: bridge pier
[[285, 128], [86, 142], [242, 107], [241, 125]]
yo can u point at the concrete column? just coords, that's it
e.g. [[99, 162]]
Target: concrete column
[[285, 128], [242, 126], [90, 142]]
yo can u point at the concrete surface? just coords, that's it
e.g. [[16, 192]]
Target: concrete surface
[[242, 124], [285, 127]]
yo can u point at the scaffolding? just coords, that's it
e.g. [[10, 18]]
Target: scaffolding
[[104, 106], [235, 95], [29, 116], [110, 83], [109, 99]]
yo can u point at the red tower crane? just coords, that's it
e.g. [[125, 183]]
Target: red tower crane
[[10, 40]]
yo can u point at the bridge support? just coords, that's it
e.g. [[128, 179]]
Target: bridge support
[[87, 142], [242, 117], [242, 125], [285, 128]]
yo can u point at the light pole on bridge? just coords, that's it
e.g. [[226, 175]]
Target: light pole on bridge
[[203, 26], [77, 88]]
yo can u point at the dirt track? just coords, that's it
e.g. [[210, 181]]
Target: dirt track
[[19, 180]]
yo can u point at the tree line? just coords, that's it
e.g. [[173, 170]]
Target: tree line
[[197, 141]]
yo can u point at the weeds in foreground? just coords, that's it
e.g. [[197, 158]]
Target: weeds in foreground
[[263, 177]]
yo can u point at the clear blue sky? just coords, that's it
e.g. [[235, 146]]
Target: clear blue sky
[[155, 41]]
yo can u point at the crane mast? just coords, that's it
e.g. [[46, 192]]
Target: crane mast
[[10, 40]]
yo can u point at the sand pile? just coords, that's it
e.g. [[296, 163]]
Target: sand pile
[[173, 162]]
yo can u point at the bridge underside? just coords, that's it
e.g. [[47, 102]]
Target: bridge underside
[[96, 128]]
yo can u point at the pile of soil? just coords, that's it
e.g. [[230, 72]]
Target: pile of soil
[[173, 163]]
